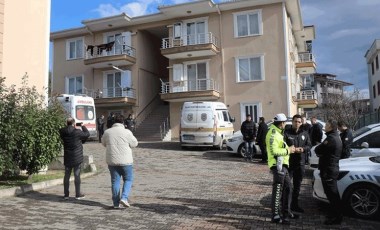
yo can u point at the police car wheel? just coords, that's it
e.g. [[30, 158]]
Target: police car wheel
[[241, 150], [363, 200]]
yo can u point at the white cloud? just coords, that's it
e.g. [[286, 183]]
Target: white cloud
[[133, 9]]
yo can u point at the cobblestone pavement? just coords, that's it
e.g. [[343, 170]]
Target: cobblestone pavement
[[173, 189]]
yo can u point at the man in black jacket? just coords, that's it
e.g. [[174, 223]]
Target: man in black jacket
[[300, 139], [248, 130], [73, 154], [315, 132], [347, 139], [260, 139], [329, 152]]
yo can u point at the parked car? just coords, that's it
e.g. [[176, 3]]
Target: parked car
[[358, 185], [366, 143], [235, 143]]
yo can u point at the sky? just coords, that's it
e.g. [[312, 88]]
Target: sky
[[345, 29]]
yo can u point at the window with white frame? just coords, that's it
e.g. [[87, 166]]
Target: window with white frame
[[248, 23], [253, 109], [74, 48], [74, 84], [249, 68]]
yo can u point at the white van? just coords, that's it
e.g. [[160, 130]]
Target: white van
[[82, 109], [205, 123]]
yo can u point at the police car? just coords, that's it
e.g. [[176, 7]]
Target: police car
[[358, 186]]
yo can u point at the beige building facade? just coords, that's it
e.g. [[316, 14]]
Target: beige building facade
[[251, 55], [24, 42]]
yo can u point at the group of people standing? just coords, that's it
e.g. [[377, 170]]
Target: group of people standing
[[129, 123], [288, 148], [118, 140]]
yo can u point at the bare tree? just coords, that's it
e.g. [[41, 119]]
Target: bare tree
[[342, 107]]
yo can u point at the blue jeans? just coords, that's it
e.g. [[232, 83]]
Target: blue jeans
[[66, 180], [250, 149], [125, 171]]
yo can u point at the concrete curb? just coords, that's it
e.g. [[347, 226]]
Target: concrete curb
[[16, 191]]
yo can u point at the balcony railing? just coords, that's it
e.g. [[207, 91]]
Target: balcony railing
[[189, 85], [111, 92], [109, 49], [194, 39], [307, 95], [306, 57]]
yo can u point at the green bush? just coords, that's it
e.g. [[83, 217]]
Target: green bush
[[28, 129]]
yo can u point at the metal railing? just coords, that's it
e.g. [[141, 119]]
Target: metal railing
[[194, 39], [111, 92], [306, 57], [108, 49], [164, 128], [307, 95], [189, 85]]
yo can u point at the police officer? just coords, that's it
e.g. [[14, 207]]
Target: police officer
[[347, 138], [278, 161], [300, 139], [329, 152]]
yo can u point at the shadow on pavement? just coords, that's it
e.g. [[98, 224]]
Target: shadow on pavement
[[56, 198], [222, 156], [218, 212], [160, 145]]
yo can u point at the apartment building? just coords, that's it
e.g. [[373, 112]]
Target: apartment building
[[372, 58], [323, 85], [24, 42], [251, 55]]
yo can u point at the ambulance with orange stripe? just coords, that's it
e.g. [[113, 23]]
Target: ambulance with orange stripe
[[205, 123], [82, 109]]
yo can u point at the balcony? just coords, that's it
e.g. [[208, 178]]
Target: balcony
[[199, 45], [179, 91], [100, 56], [307, 99], [306, 63], [113, 96]]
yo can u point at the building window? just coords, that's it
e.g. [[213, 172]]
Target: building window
[[373, 68], [253, 109], [374, 91], [377, 62], [74, 85], [248, 23], [74, 48], [249, 68]]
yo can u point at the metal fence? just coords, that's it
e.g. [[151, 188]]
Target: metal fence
[[368, 119]]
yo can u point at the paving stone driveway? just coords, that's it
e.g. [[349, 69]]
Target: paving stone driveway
[[173, 189]]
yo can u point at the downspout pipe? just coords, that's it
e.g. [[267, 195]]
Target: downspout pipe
[[221, 52], [286, 51]]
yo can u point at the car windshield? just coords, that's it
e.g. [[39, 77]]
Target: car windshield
[[375, 159], [361, 131]]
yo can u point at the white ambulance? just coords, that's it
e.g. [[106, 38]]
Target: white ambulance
[[82, 109], [205, 124]]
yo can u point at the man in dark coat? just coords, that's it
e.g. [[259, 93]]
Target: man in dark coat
[[347, 139], [73, 154], [100, 124], [110, 120], [248, 130], [315, 132], [329, 152], [260, 139], [300, 139]]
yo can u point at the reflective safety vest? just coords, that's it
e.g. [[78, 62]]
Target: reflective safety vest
[[276, 146]]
